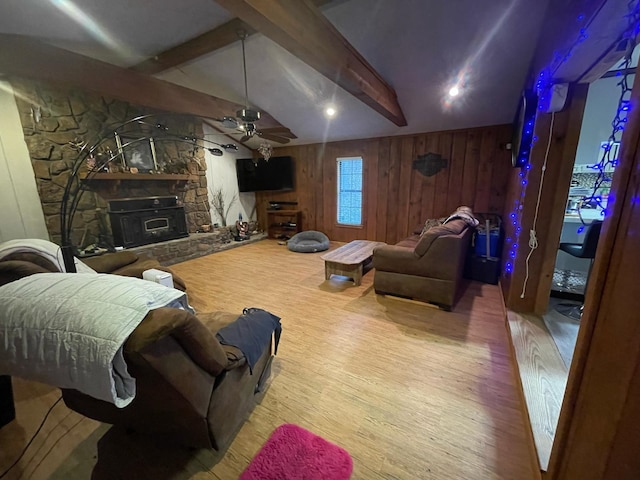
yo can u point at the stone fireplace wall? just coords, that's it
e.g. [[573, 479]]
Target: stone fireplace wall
[[54, 118]]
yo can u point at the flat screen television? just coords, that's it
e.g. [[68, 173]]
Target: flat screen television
[[523, 128], [276, 174]]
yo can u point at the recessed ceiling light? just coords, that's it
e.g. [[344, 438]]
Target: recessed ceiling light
[[330, 111], [454, 91]]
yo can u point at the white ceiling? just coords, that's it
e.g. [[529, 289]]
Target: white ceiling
[[420, 47], [120, 32]]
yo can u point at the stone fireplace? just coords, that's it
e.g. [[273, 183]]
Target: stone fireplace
[[56, 120]]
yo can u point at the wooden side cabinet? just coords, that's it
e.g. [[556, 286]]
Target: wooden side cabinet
[[283, 224]]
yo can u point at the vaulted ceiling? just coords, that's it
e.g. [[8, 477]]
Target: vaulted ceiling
[[417, 48]]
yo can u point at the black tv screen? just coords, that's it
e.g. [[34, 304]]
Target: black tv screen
[[276, 174]]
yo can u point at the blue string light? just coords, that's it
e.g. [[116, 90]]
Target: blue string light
[[608, 160], [544, 82]]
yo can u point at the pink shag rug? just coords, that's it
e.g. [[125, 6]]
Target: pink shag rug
[[293, 453]]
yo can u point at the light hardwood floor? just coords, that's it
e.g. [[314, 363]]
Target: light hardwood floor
[[563, 329], [408, 390], [543, 377]]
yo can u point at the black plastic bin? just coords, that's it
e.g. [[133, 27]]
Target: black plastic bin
[[482, 269]]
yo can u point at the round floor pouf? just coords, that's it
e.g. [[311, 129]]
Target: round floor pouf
[[308, 242]]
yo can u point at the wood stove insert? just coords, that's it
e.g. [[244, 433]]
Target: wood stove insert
[[144, 220]]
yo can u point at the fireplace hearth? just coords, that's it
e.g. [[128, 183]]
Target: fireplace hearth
[[144, 220]]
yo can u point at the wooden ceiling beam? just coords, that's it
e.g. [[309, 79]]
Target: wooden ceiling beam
[[585, 59], [219, 37], [299, 27], [25, 57]]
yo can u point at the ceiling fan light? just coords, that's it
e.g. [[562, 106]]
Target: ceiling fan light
[[230, 147], [248, 115]]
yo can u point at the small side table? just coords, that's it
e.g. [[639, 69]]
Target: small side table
[[7, 409]]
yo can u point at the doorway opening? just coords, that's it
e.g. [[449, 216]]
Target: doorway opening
[[582, 220]]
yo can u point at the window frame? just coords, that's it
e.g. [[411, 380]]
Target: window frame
[[362, 196]]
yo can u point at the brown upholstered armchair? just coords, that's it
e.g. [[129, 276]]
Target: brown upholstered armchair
[[189, 388]]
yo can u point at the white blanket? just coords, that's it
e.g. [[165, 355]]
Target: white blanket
[[68, 329], [468, 218], [45, 249]]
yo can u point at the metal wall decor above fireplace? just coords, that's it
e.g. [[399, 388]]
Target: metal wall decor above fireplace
[[140, 221]]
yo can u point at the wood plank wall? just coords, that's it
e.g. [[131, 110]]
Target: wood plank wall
[[550, 213], [397, 197]]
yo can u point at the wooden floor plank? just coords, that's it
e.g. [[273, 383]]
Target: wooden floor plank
[[543, 377], [563, 329], [411, 392]]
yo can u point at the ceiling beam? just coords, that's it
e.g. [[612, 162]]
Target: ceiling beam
[[25, 57], [561, 28], [219, 37], [300, 28]]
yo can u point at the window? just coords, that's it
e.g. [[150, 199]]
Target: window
[[350, 191]]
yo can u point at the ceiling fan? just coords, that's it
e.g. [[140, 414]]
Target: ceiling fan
[[246, 118]]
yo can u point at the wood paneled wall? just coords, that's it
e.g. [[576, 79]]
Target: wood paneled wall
[[549, 215], [397, 197]]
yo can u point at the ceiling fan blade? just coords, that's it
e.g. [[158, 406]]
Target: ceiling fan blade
[[228, 122], [280, 131], [276, 129], [273, 138], [245, 138]]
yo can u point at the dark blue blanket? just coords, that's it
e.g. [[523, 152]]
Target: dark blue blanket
[[251, 333]]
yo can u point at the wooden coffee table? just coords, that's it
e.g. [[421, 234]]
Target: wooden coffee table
[[349, 260]]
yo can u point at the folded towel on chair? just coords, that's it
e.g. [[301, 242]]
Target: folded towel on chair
[[251, 332]]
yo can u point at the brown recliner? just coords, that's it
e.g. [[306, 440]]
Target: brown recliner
[[425, 267], [190, 389]]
